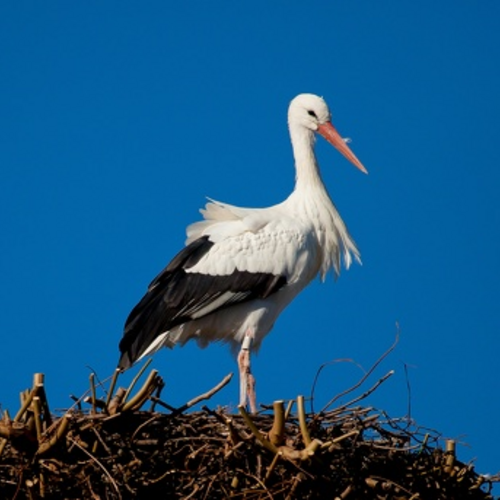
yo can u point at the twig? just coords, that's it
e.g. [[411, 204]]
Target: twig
[[112, 386], [204, 396], [193, 493], [158, 401], [288, 409], [272, 466], [408, 387], [322, 367], [365, 394], [339, 439], [61, 430], [144, 392], [277, 432], [26, 404], [38, 422], [116, 401], [93, 396], [302, 421], [159, 389], [367, 374], [450, 456], [142, 426], [136, 378], [44, 405], [298, 478]]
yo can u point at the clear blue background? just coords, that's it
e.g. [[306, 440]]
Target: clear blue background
[[118, 118]]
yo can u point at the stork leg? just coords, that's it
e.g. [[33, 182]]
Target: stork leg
[[247, 380]]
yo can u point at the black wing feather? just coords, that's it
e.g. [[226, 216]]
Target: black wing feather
[[175, 296]]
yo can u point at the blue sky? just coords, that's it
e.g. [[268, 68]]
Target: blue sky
[[118, 119]]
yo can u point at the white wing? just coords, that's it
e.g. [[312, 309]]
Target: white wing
[[263, 240]]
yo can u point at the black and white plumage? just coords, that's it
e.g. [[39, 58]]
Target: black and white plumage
[[242, 266]]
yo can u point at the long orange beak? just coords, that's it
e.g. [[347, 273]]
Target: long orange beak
[[329, 132]]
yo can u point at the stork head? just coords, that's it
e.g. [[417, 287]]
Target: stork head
[[310, 112]]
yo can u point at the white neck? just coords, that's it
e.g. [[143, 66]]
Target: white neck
[[307, 172]]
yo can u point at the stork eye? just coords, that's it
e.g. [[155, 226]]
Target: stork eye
[[312, 113]]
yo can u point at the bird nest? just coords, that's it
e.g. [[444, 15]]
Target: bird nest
[[108, 448]]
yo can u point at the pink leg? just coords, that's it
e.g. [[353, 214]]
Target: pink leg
[[252, 395], [247, 380]]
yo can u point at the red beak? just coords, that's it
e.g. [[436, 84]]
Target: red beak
[[328, 131]]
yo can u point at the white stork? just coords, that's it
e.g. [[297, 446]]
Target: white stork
[[242, 266]]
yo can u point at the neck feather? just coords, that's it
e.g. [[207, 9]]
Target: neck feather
[[307, 171]]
